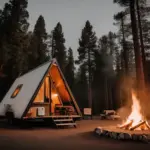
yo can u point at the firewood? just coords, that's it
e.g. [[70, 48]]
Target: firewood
[[142, 127], [147, 125], [127, 125], [137, 125]]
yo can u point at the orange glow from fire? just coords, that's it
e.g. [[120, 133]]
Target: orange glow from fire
[[135, 118], [54, 95], [135, 115]]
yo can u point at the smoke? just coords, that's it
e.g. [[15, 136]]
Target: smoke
[[145, 102], [127, 85], [124, 112], [108, 65]]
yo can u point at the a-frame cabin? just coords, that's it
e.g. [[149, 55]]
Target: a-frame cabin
[[41, 93]]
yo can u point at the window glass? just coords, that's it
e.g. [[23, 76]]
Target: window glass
[[17, 90]]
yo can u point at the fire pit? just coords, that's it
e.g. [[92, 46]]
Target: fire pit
[[135, 127], [135, 120]]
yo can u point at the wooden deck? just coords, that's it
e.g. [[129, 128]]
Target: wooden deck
[[53, 116], [63, 116]]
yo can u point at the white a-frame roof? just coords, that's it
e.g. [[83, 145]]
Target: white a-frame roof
[[30, 81]]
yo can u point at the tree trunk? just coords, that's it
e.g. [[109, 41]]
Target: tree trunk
[[138, 60], [125, 57], [90, 80], [53, 52], [141, 37], [125, 53], [106, 93], [122, 62], [111, 104]]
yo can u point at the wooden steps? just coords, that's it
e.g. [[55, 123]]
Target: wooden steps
[[66, 124], [65, 121], [62, 120]]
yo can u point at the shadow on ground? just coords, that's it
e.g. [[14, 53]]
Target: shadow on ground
[[26, 125]]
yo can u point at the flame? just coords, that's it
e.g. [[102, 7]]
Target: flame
[[135, 115], [135, 120]]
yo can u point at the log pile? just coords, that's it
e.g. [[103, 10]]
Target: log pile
[[143, 125], [117, 135], [126, 126]]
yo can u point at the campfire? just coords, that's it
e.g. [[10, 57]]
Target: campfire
[[136, 120], [135, 127]]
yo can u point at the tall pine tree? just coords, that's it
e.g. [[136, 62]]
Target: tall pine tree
[[38, 52], [13, 40], [70, 69], [58, 46], [86, 50], [81, 87], [13, 30], [134, 26]]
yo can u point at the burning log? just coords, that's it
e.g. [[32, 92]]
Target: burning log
[[147, 125], [136, 119], [143, 127], [138, 125], [126, 126]]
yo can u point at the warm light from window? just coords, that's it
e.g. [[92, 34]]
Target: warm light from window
[[17, 90], [54, 95]]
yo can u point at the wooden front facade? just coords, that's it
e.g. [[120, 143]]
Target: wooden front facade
[[53, 97]]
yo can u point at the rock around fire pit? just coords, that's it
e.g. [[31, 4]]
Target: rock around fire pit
[[120, 134]]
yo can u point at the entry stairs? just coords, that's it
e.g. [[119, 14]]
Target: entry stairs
[[64, 121]]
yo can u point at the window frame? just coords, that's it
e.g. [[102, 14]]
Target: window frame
[[19, 87]]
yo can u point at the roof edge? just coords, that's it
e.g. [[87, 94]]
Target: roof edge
[[37, 89], [49, 61]]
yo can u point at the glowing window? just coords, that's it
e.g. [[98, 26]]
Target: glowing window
[[17, 90]]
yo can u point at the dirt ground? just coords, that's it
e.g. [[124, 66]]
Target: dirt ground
[[80, 138]]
